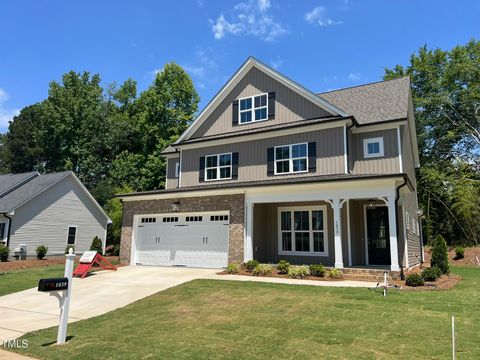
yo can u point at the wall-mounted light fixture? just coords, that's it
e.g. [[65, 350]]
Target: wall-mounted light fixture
[[371, 204]]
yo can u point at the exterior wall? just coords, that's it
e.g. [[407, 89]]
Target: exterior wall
[[289, 106], [252, 162], [233, 203], [45, 219], [412, 226], [387, 164], [407, 154], [171, 181]]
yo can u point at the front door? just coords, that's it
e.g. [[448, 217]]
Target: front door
[[378, 237]]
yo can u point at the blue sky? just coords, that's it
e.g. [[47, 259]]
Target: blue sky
[[323, 45]]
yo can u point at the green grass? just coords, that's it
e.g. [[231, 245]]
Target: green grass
[[208, 319], [18, 280]]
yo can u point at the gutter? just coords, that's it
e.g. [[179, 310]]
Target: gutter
[[397, 196]]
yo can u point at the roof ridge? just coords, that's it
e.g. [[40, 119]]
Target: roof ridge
[[361, 85]]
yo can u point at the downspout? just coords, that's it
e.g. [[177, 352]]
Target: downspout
[[348, 143], [9, 226], [397, 197]]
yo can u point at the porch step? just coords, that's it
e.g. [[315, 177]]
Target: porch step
[[375, 275]]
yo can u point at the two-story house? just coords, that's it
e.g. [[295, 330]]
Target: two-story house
[[269, 171]]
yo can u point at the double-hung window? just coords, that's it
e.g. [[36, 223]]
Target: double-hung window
[[373, 147], [72, 235], [218, 167], [253, 108], [303, 231], [291, 158]]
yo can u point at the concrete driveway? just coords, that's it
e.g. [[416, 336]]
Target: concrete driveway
[[95, 295]]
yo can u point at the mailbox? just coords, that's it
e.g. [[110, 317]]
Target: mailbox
[[53, 284]]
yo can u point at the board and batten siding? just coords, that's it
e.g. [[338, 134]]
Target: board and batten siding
[[171, 181], [289, 106], [387, 164], [252, 156], [45, 219]]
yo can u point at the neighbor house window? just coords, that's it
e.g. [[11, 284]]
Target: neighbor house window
[[303, 231], [2, 231], [218, 167], [72, 234], [291, 159], [373, 147], [177, 169], [254, 108]]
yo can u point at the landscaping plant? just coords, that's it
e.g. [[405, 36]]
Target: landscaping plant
[[4, 251], [440, 255], [335, 274], [459, 252], [263, 270], [431, 274], [232, 268], [317, 270], [283, 266], [41, 251], [250, 265], [97, 245], [298, 272], [414, 280], [68, 247]]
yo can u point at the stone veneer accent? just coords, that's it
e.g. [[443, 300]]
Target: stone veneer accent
[[233, 203]]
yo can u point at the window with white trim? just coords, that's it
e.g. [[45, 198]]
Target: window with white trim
[[373, 147], [291, 158], [303, 231], [218, 167], [253, 108], [2, 231], [177, 169], [72, 235]]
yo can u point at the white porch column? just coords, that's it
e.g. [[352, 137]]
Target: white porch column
[[337, 224], [248, 246], [392, 226]]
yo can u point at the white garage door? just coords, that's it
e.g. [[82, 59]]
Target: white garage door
[[196, 240]]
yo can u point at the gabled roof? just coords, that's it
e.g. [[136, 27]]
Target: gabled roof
[[373, 103], [237, 77], [28, 187]]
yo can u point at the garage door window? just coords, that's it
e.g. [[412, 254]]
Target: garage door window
[[72, 235]]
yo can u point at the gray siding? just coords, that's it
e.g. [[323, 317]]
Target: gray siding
[[171, 181], [414, 247], [407, 154], [289, 106], [389, 163], [45, 219], [252, 163]]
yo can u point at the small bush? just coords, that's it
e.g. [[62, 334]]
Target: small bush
[[440, 255], [298, 272], [4, 251], [317, 270], [67, 249], [232, 268], [414, 280], [41, 251], [113, 250], [97, 245], [459, 252], [263, 270], [431, 274], [283, 266], [335, 274], [250, 265]]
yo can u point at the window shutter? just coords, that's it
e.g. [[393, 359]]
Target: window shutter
[[270, 162], [312, 156], [271, 105], [235, 112], [201, 171], [235, 165]]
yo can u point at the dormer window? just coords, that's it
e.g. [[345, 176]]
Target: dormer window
[[373, 147], [253, 108]]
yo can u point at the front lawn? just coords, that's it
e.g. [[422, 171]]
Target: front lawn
[[207, 319], [18, 280]]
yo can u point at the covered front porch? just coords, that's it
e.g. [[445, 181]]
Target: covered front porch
[[342, 226]]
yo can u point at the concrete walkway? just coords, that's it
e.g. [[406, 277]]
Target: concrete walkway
[[341, 283], [95, 295]]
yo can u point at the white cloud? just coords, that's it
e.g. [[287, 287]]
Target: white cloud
[[318, 16], [6, 115], [204, 64], [277, 62], [249, 18], [355, 76]]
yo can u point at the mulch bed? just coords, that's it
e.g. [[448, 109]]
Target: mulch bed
[[274, 274], [32, 263], [468, 260]]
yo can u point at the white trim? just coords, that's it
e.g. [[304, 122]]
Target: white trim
[[405, 237], [367, 262], [368, 141], [76, 233], [252, 109], [391, 125], [345, 148], [236, 78], [349, 238], [180, 173], [248, 231], [290, 159], [291, 209], [5, 230], [400, 160], [177, 169], [218, 167]]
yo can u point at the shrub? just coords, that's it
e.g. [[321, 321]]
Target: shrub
[[298, 272], [113, 250], [263, 270], [97, 245], [414, 280], [440, 255], [41, 251], [283, 266], [335, 274], [250, 265], [317, 270], [232, 268], [431, 274], [459, 252], [4, 251], [68, 247]]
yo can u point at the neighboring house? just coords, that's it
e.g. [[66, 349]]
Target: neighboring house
[[54, 210], [269, 171]]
